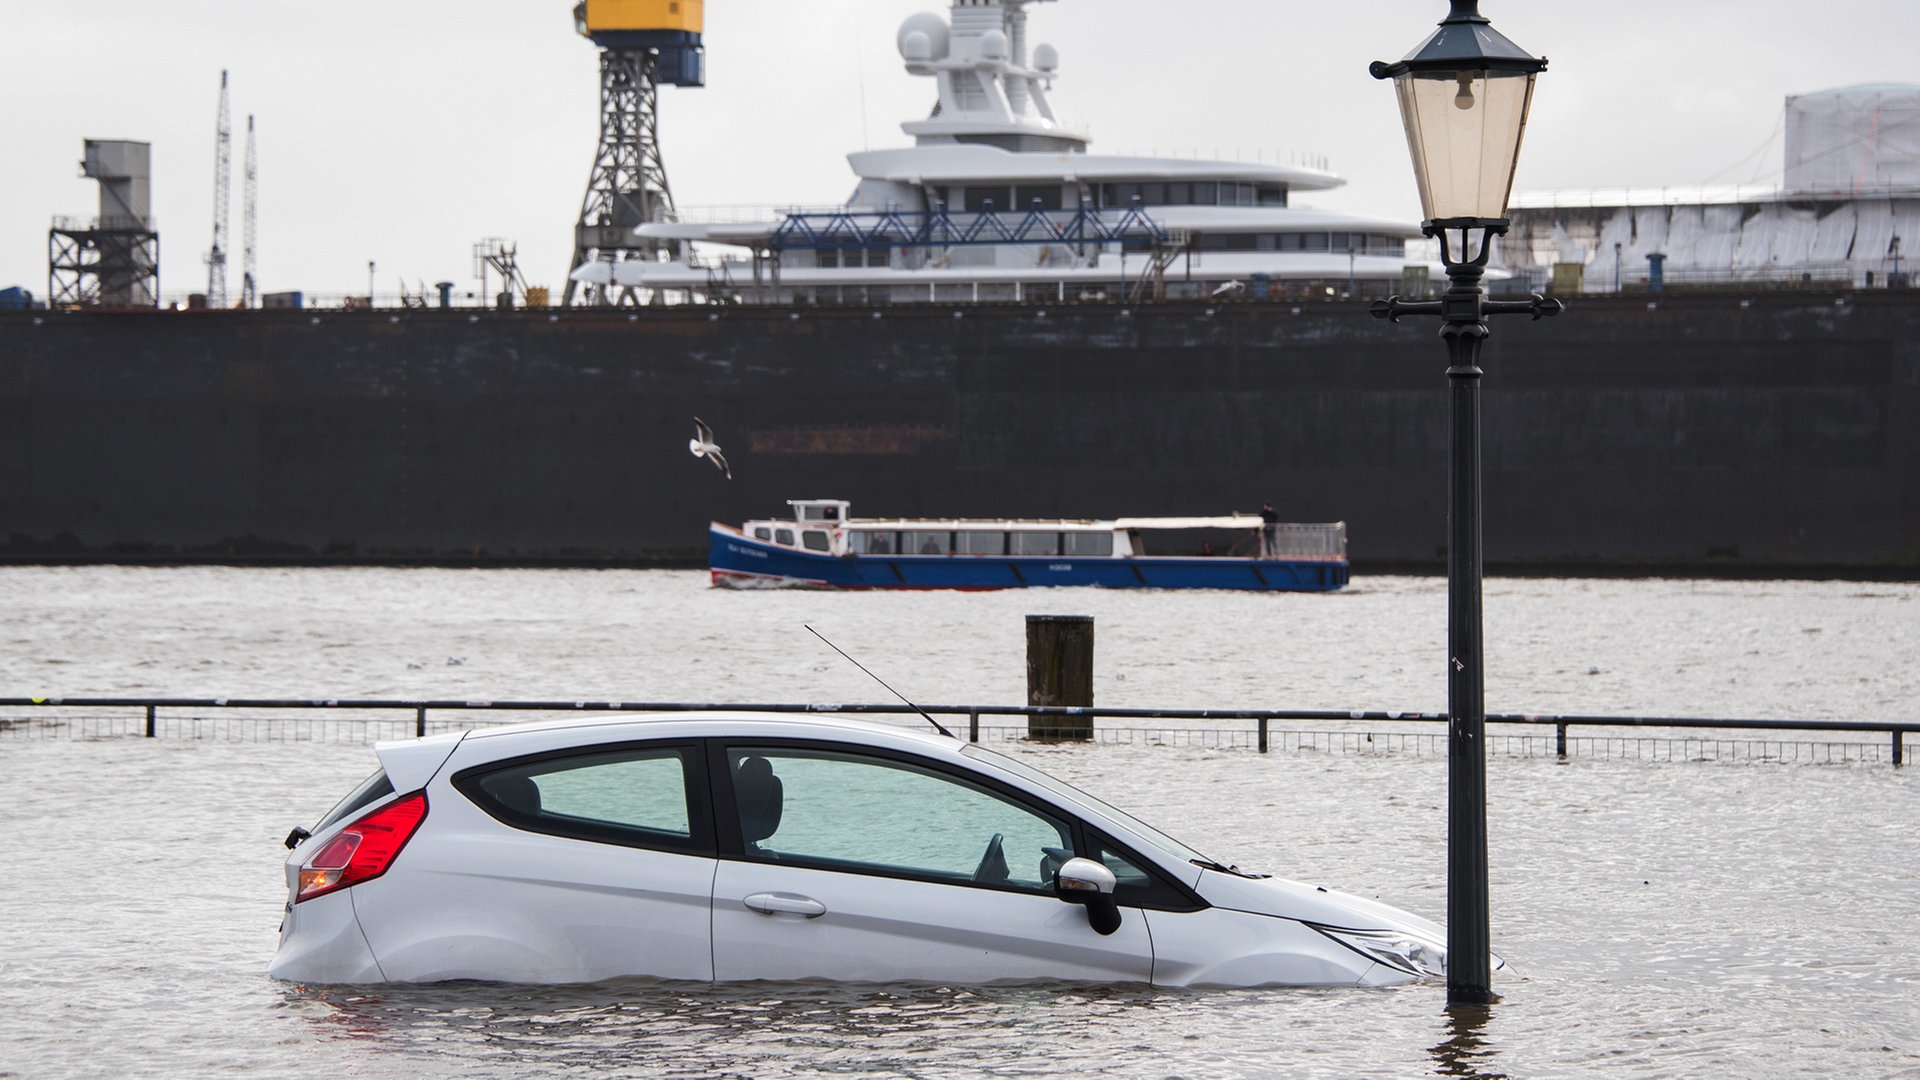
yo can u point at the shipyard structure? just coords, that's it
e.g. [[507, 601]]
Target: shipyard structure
[[1001, 323], [1764, 433]]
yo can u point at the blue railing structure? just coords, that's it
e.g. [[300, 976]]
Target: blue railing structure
[[940, 228], [1262, 718]]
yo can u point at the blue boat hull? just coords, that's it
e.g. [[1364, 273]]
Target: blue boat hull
[[737, 561]]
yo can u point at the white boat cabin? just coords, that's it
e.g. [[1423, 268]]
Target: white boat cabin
[[825, 526]]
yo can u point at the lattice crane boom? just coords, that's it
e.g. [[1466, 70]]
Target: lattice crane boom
[[249, 288], [222, 181]]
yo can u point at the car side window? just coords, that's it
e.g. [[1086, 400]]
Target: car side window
[[872, 814], [637, 796], [1136, 884]]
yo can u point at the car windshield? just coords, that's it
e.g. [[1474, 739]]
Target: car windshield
[[1060, 787]]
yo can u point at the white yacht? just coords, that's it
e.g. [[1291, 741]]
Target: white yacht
[[998, 200]]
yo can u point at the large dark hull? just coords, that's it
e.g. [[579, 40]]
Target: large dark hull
[[1771, 432]]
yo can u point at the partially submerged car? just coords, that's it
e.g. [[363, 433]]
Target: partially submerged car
[[734, 847]]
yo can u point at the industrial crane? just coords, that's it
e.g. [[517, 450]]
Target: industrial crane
[[249, 288], [643, 43], [222, 181]]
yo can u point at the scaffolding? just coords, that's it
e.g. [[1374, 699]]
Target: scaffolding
[[113, 259]]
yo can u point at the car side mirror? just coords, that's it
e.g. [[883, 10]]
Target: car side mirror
[[1088, 883]]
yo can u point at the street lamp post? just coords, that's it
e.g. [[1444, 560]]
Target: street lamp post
[[1464, 94]]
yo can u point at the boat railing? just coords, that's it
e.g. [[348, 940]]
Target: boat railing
[[1307, 542], [942, 228]]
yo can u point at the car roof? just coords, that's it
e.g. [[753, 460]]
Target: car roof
[[410, 763], [722, 722]]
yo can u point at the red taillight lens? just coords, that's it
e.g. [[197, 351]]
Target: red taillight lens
[[363, 850]]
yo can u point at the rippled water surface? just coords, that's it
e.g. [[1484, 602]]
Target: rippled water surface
[[1670, 918]]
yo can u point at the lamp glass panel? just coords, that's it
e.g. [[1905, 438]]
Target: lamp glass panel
[[1464, 130]]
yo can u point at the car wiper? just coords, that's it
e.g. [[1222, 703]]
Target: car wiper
[[1209, 864]]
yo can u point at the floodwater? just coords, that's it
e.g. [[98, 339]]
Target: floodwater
[[1661, 919]]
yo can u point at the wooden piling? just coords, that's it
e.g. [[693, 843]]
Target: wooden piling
[[1060, 672]]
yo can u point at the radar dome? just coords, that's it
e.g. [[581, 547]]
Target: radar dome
[[993, 45], [1046, 58], [923, 37]]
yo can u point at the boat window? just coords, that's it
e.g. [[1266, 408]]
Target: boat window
[[1034, 543], [977, 199], [1179, 194], [864, 542], [815, 540], [1206, 193], [783, 536], [1153, 194], [762, 532], [1273, 195], [1088, 543], [1233, 241], [979, 542], [928, 543], [1024, 196], [1313, 241]]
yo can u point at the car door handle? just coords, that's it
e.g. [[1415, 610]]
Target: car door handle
[[778, 903]]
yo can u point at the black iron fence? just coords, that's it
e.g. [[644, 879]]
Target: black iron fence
[[1667, 738]]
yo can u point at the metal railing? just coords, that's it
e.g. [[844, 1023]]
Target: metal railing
[[1361, 730], [1297, 540]]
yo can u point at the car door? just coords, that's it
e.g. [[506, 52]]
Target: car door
[[567, 866], [862, 865]]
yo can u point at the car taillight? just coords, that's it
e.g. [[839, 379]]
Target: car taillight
[[363, 850]]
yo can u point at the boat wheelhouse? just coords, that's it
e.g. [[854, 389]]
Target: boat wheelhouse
[[998, 199], [822, 546]]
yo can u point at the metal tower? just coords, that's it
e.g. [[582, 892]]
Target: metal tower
[[641, 46], [249, 289], [113, 259], [222, 181]]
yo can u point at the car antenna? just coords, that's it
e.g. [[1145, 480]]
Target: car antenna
[[882, 682]]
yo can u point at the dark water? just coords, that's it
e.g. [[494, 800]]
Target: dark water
[[1714, 919]]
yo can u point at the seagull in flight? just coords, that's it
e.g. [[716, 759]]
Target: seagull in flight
[[702, 445]]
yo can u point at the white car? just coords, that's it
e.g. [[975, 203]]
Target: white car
[[727, 847]]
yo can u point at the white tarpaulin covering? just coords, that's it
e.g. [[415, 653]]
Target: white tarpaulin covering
[[1852, 186], [1854, 140]]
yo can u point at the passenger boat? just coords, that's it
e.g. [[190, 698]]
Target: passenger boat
[[821, 546]]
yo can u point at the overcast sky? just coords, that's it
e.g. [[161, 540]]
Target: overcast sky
[[403, 131]]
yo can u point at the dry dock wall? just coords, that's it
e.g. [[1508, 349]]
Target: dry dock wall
[[1685, 431]]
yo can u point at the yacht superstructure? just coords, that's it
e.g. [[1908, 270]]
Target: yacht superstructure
[[998, 200]]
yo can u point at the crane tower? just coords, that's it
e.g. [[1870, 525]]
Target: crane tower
[[249, 288], [643, 43], [222, 180]]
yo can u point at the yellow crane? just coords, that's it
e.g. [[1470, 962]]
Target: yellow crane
[[643, 43]]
